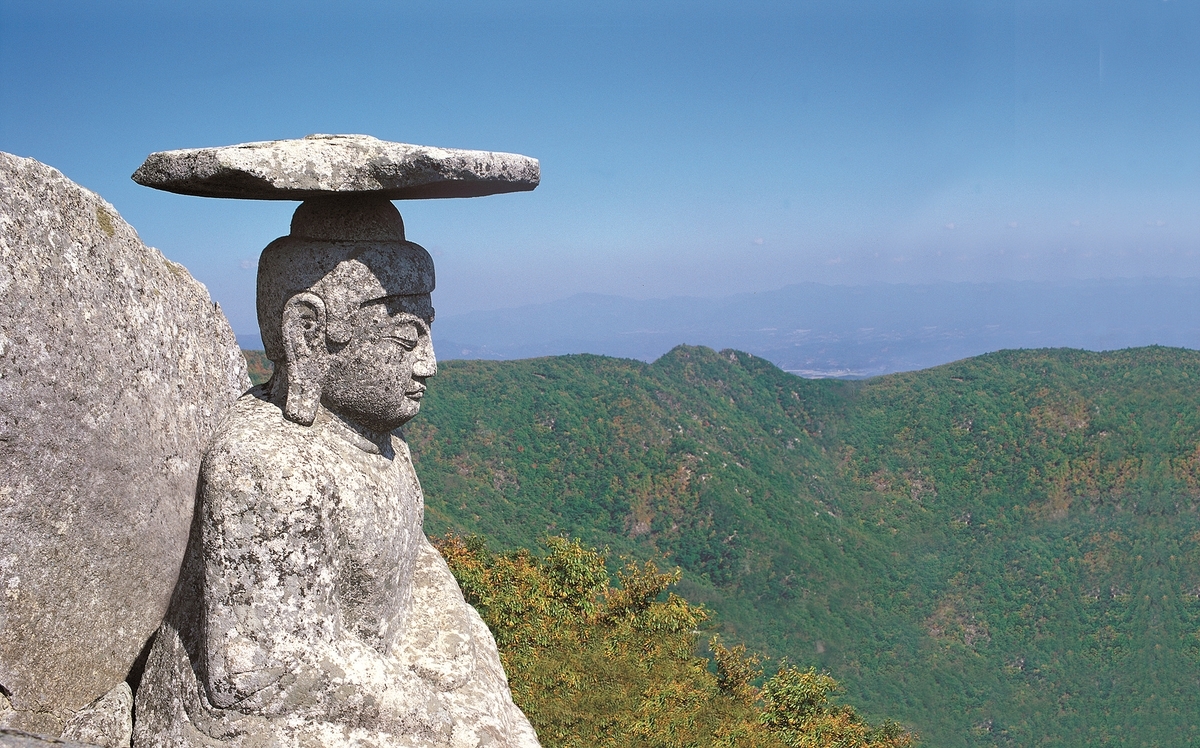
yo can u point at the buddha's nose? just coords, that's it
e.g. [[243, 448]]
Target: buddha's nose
[[424, 361]]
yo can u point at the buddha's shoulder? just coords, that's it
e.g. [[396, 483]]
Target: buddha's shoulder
[[255, 432]]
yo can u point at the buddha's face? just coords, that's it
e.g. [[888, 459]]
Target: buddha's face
[[377, 379]]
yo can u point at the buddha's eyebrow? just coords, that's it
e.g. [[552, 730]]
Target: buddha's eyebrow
[[400, 299], [382, 300]]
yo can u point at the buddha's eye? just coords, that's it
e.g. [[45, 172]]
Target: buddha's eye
[[405, 334]]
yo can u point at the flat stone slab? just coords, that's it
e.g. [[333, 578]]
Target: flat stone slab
[[320, 165]]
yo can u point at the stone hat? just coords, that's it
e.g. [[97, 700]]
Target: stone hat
[[319, 165]]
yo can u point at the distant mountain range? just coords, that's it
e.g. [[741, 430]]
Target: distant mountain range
[[818, 330]]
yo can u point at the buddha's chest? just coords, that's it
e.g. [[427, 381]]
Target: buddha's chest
[[374, 523]]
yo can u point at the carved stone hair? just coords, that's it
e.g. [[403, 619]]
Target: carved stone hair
[[347, 251]]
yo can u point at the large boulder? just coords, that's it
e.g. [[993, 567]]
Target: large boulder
[[115, 369]]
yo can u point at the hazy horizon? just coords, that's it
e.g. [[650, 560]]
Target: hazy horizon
[[848, 331]]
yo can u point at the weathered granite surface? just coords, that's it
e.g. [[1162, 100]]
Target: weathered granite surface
[[311, 609], [107, 721], [21, 739], [322, 164], [115, 369]]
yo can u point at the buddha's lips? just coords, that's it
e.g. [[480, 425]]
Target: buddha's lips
[[415, 394]]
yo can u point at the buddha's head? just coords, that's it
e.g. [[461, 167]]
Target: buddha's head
[[344, 309]]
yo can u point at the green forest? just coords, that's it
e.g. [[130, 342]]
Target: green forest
[[598, 665], [1000, 551]]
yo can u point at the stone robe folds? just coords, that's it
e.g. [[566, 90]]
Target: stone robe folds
[[312, 610]]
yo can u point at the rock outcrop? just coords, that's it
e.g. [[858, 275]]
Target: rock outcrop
[[115, 370]]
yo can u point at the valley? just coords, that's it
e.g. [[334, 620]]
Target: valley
[[1003, 550]]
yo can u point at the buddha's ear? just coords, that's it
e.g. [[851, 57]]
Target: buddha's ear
[[304, 326]]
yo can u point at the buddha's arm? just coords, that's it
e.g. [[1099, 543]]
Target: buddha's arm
[[275, 643]]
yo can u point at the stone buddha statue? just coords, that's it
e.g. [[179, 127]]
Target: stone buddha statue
[[311, 610]]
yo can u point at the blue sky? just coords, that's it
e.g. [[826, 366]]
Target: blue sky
[[698, 148]]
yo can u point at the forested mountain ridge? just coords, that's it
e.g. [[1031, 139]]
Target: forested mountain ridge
[[1003, 550]]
